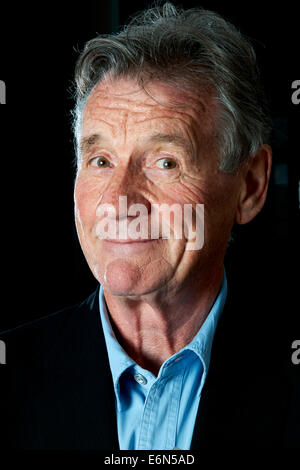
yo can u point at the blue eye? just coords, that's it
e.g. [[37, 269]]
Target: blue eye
[[166, 164], [100, 162]]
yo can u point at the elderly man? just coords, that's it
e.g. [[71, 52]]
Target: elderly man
[[169, 115]]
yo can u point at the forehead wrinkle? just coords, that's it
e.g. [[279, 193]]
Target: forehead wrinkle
[[159, 135], [120, 101], [176, 94], [124, 125], [112, 102], [101, 101], [144, 109], [124, 112], [128, 93]]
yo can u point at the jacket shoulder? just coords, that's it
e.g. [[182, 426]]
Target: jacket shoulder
[[25, 343], [50, 387]]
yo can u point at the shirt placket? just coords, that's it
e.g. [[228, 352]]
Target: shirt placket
[[150, 433], [173, 411], [148, 417]]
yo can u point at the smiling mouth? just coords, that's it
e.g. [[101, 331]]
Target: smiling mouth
[[131, 241], [129, 247]]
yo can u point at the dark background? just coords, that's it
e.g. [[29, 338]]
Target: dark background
[[43, 269]]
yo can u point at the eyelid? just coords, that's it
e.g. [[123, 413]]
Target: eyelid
[[94, 153], [92, 159]]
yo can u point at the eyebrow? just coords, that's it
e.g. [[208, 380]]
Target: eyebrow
[[87, 142], [172, 139]]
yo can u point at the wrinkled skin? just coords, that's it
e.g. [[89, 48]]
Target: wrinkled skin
[[158, 292]]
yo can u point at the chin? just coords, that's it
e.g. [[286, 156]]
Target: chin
[[123, 279]]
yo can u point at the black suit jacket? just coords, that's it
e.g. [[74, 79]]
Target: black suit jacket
[[57, 392]]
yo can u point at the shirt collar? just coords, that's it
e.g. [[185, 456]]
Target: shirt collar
[[201, 344]]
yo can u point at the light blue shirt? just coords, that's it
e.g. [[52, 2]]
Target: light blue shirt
[[159, 413]]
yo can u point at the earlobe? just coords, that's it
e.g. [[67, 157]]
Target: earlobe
[[254, 185]]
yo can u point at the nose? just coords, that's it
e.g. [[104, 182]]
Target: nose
[[125, 182]]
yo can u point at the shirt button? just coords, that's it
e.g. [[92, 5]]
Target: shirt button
[[140, 379]]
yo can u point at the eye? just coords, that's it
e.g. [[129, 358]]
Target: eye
[[166, 163], [100, 162]]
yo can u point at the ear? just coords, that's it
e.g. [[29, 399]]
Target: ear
[[255, 180]]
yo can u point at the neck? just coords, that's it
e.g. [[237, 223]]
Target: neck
[[153, 327]]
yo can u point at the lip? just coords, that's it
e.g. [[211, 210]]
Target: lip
[[129, 241], [128, 247]]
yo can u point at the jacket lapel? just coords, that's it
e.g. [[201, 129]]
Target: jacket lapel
[[98, 403], [78, 400], [245, 395]]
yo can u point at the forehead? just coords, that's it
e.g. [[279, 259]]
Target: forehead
[[122, 103]]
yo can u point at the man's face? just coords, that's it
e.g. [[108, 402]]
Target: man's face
[[154, 148]]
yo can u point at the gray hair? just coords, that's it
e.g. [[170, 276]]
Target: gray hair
[[194, 47]]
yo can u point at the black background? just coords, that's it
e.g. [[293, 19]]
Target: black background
[[43, 269]]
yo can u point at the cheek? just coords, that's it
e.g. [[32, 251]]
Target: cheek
[[218, 193], [184, 191], [220, 210], [86, 196]]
